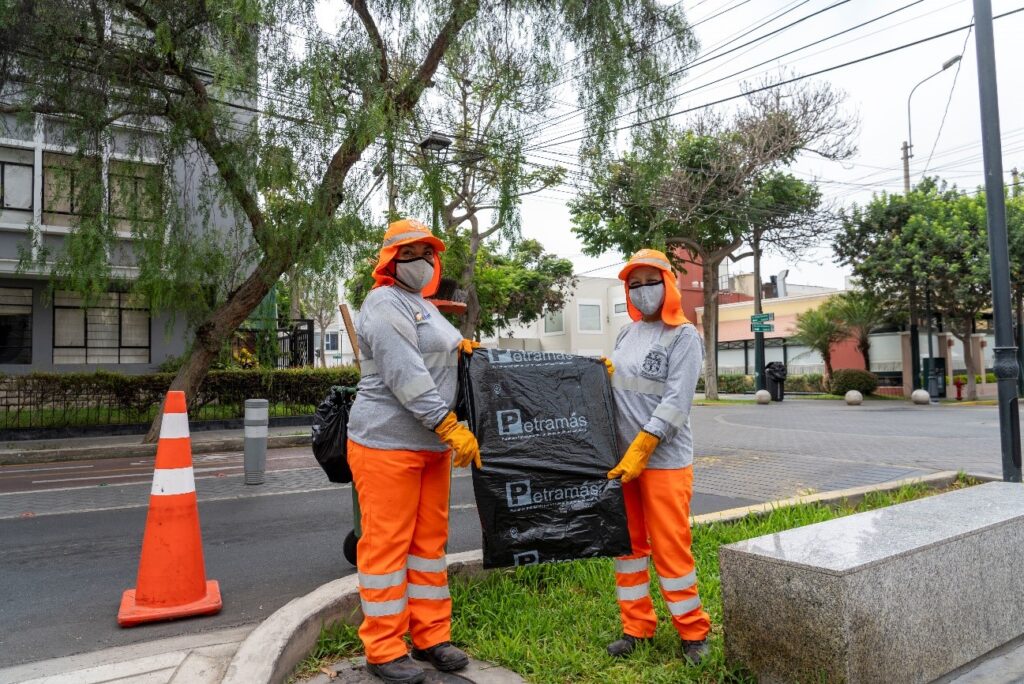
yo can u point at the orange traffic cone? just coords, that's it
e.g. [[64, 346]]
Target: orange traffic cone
[[172, 579]]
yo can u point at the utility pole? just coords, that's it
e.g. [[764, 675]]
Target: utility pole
[[1005, 351], [915, 342], [759, 383], [1015, 192]]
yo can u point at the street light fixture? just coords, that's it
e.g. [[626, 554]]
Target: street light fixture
[[915, 349], [436, 145]]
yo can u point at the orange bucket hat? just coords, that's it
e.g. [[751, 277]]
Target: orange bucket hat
[[404, 232], [672, 309]]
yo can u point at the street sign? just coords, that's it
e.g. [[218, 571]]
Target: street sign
[[762, 318], [762, 327]]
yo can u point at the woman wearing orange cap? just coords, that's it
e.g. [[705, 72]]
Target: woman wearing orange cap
[[403, 438], [657, 361]]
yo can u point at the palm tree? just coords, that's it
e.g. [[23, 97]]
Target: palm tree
[[860, 312], [819, 329]]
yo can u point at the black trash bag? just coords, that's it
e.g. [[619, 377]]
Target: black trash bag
[[546, 429], [330, 434]]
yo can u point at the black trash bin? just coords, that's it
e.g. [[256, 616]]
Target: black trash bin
[[775, 379]]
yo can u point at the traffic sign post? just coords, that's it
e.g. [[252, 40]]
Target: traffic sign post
[[762, 317], [762, 327]]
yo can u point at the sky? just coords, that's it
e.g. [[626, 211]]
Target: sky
[[876, 90]]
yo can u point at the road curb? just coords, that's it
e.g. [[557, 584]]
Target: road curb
[[272, 651], [199, 446]]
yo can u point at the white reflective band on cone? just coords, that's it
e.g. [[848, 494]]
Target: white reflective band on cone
[[627, 566], [684, 607], [174, 426], [421, 564], [390, 579], [382, 608], [632, 593], [167, 481], [425, 591], [678, 583]]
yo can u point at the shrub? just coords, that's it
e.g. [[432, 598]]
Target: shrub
[[847, 379], [989, 378], [809, 382]]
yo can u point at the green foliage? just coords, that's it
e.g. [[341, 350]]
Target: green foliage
[[820, 329], [846, 379], [744, 384], [808, 382]]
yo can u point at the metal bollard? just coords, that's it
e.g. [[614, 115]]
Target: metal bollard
[[257, 419]]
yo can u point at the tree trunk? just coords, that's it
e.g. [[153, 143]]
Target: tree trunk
[[468, 282], [709, 272], [827, 358], [323, 348], [294, 297], [865, 350], [215, 330]]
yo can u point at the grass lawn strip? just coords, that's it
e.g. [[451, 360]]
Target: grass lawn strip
[[550, 623]]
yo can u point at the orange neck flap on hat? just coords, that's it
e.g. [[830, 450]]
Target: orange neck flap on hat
[[671, 309], [406, 232], [384, 271]]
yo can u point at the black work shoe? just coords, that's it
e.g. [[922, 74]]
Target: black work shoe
[[620, 648], [695, 651], [398, 671], [444, 657]]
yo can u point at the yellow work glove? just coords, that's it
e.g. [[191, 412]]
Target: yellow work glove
[[609, 365], [467, 346], [636, 458], [461, 440]]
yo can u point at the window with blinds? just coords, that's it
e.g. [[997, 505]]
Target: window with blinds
[[115, 330]]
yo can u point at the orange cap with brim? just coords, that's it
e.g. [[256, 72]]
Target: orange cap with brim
[[404, 232], [672, 308]]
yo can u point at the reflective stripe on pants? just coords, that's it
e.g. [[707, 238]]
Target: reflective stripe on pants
[[403, 585], [658, 512]]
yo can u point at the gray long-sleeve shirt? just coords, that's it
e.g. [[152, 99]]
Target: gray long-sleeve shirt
[[409, 375], [656, 371]]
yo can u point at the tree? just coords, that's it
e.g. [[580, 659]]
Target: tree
[[320, 299], [820, 329], [861, 312], [198, 69], [692, 191], [935, 238], [520, 284]]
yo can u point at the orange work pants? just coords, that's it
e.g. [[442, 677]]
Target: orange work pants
[[403, 579], [658, 512]]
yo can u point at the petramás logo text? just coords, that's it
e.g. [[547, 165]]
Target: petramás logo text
[[502, 356], [520, 494], [511, 425]]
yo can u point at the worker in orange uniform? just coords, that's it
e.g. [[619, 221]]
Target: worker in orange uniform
[[657, 361], [403, 438]]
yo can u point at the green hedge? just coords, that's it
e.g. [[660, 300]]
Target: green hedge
[[989, 377], [846, 379], [77, 399], [740, 384]]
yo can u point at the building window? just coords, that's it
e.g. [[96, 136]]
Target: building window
[[17, 181], [115, 330], [589, 317], [15, 325], [331, 341], [553, 323], [620, 308], [134, 191], [66, 180]]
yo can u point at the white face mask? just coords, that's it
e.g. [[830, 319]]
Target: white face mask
[[647, 298], [414, 273]]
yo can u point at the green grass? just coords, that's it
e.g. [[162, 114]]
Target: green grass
[[550, 623], [835, 397]]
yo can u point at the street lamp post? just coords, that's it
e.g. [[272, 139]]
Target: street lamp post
[[1006, 366], [915, 343], [436, 146]]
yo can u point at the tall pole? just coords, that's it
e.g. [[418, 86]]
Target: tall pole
[[1005, 350], [915, 343], [759, 383]]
